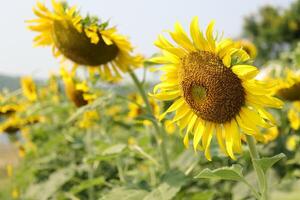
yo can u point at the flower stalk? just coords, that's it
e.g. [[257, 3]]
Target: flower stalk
[[160, 135], [262, 182]]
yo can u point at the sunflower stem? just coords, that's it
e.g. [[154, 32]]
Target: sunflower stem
[[160, 137], [89, 149], [262, 182]]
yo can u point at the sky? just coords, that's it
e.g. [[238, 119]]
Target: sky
[[141, 20]]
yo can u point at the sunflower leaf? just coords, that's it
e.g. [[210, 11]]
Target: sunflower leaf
[[170, 186], [233, 173], [268, 162]]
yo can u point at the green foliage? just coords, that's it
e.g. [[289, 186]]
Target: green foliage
[[273, 30]]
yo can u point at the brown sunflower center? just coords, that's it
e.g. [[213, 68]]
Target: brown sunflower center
[[77, 46], [211, 89]]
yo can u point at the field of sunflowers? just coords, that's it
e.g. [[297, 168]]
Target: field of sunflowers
[[221, 123]]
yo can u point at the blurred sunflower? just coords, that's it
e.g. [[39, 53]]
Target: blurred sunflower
[[89, 119], [77, 92], [294, 115], [51, 89], [9, 109], [83, 40], [213, 89], [292, 142], [136, 110], [29, 88], [247, 46], [11, 125], [270, 134], [15, 123], [288, 87]]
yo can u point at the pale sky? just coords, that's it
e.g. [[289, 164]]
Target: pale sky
[[141, 20]]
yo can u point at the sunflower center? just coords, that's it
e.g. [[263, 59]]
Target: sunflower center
[[77, 46], [211, 89]]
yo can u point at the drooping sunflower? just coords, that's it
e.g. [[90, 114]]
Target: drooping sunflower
[[76, 91], [83, 40], [29, 88], [10, 108], [288, 87], [247, 46], [213, 88]]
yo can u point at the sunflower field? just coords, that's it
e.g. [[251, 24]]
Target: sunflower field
[[222, 121]]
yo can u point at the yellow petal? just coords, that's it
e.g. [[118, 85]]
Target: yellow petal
[[206, 139], [198, 39], [198, 133], [245, 71]]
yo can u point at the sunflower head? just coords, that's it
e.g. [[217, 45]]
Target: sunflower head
[[9, 109], [288, 87], [212, 86], [11, 125], [247, 46], [29, 88], [77, 92], [83, 40]]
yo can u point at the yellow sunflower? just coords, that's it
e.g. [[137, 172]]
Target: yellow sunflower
[[292, 142], [288, 87], [9, 109], [29, 88], [247, 46], [11, 125], [270, 134], [213, 88], [294, 115], [77, 92], [83, 40], [136, 110]]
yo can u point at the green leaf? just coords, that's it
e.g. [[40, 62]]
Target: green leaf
[[115, 149], [268, 162], [171, 185], [233, 173], [87, 184], [122, 193], [208, 195], [46, 189]]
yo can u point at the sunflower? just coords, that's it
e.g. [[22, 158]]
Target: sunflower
[[270, 134], [213, 88], [11, 125], [89, 119], [9, 109], [29, 88], [288, 87], [77, 92], [294, 115], [83, 40], [247, 46], [136, 110], [292, 142]]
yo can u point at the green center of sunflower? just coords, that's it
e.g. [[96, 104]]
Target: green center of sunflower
[[290, 94], [211, 89], [77, 46]]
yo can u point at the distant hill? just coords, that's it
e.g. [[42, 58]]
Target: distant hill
[[9, 82]]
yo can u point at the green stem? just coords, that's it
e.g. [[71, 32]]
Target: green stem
[[160, 137], [262, 182], [89, 150]]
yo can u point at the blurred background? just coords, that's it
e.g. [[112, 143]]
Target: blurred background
[[272, 25], [141, 20]]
